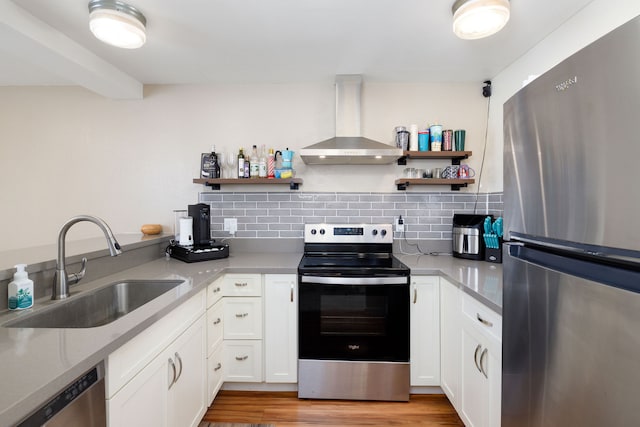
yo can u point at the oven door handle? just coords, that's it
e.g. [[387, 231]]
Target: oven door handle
[[321, 280]]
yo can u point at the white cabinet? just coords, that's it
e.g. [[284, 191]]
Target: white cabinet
[[450, 340], [159, 377], [481, 364], [243, 323], [215, 362], [425, 331], [281, 328]]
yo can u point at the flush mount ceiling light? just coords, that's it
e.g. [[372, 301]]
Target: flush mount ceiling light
[[117, 23], [475, 19]]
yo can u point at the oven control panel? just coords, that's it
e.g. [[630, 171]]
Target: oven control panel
[[348, 233]]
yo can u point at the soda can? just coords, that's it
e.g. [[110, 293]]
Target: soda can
[[447, 140]]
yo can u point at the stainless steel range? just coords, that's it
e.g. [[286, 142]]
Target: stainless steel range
[[353, 334]]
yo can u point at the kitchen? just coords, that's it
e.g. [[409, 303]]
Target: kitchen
[[138, 166]]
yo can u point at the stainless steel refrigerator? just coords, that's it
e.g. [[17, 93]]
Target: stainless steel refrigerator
[[571, 305]]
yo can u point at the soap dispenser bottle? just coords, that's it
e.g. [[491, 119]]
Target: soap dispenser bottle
[[20, 289]]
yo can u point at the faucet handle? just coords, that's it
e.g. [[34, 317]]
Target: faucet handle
[[73, 278]]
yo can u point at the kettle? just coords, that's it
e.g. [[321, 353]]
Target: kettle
[[287, 158]]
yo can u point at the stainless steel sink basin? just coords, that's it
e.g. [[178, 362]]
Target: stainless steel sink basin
[[99, 307]]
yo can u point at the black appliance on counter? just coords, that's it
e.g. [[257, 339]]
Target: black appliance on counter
[[353, 315], [468, 230], [204, 248]]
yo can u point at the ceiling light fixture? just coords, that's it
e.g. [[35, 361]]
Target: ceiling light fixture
[[117, 23], [475, 19]]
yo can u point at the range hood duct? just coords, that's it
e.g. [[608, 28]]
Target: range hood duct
[[348, 147]]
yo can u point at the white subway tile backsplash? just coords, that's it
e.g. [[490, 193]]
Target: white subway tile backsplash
[[427, 216]]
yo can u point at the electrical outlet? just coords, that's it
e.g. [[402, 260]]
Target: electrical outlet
[[231, 225], [399, 222]]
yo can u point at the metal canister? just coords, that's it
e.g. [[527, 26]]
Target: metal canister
[[447, 140]]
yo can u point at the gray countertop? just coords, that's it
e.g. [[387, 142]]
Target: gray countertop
[[37, 363]]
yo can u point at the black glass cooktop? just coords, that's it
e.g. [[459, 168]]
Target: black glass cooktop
[[352, 264]]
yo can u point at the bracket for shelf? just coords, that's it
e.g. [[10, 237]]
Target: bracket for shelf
[[456, 187], [456, 160], [403, 186], [402, 161], [212, 185], [293, 185]]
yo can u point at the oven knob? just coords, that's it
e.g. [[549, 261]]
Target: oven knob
[[383, 232], [313, 231], [322, 231], [375, 232]]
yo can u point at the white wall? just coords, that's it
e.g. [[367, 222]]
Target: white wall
[[591, 23], [65, 151]]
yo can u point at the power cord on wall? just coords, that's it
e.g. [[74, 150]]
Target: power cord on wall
[[486, 92]]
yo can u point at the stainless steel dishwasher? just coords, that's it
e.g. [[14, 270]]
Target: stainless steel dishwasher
[[80, 404]]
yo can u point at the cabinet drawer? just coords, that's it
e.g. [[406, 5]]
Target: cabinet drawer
[[482, 316], [243, 360], [215, 373], [242, 285], [215, 329], [242, 318], [214, 291]]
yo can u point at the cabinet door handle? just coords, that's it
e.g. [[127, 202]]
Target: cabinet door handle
[[218, 367], [291, 292], [482, 368], [173, 367], [241, 358], [241, 284], [217, 321], [475, 357], [415, 295], [180, 371], [241, 315], [484, 321]]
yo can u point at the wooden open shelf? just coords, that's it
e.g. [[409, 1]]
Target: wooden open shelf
[[215, 184], [456, 184], [455, 156]]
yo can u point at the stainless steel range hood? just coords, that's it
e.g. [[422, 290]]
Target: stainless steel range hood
[[348, 147]]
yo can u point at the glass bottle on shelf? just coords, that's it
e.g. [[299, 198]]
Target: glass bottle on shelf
[[254, 167], [241, 164]]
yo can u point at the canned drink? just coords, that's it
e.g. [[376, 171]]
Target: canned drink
[[447, 140]]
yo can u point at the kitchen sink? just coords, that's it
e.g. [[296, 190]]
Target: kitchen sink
[[98, 307]]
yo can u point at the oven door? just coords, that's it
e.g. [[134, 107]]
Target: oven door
[[354, 318]]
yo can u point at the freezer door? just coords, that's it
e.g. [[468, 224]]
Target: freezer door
[[572, 153], [571, 346]]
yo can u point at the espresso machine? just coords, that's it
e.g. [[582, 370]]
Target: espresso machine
[[199, 246]]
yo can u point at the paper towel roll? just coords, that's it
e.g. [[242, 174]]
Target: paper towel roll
[[186, 231]]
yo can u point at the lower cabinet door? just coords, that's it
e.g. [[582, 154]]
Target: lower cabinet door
[[215, 373], [143, 401], [187, 393], [425, 330], [243, 360]]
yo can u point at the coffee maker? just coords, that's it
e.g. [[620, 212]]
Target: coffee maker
[[201, 215], [467, 236], [203, 248]]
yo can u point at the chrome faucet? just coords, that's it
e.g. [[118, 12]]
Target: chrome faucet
[[62, 280]]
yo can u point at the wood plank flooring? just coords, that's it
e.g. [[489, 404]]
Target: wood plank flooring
[[284, 409]]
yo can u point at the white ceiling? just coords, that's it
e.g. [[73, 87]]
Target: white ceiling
[[45, 42]]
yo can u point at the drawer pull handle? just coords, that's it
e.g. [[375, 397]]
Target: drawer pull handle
[[217, 321], [173, 367], [484, 321], [241, 358], [241, 284], [241, 315], [218, 367]]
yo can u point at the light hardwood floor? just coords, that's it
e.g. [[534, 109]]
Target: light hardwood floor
[[284, 409]]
